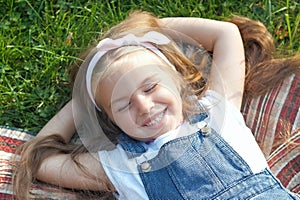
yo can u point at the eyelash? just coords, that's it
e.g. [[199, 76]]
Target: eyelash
[[149, 88], [123, 108]]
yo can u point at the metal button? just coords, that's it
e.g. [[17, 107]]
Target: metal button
[[146, 167], [205, 130]]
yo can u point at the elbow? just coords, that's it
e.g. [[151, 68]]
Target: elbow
[[230, 29]]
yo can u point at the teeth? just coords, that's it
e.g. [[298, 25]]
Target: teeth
[[156, 120]]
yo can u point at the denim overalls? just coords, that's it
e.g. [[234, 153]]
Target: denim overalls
[[202, 166]]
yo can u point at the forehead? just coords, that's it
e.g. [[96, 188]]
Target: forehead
[[134, 66], [128, 73]]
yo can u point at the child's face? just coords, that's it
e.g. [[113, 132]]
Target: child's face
[[140, 97]]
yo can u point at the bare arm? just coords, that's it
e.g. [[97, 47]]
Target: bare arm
[[61, 170], [224, 40], [62, 123]]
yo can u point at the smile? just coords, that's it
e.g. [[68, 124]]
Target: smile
[[156, 120]]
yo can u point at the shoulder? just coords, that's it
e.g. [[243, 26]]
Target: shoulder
[[221, 112]]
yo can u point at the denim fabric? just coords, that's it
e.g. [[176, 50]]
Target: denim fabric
[[203, 166]]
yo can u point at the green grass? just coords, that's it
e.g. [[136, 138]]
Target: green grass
[[39, 40]]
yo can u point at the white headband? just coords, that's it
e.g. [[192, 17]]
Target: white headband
[[108, 44]]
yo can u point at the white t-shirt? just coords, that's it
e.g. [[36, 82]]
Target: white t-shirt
[[227, 121]]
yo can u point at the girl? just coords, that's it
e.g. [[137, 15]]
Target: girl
[[178, 133]]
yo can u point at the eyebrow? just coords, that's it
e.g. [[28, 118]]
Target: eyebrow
[[141, 84]]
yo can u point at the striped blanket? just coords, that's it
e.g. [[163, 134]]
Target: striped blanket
[[9, 140], [274, 119], [275, 122]]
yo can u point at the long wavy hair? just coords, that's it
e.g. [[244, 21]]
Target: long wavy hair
[[264, 67], [263, 71]]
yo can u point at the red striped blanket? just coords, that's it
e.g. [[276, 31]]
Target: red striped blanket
[[275, 122], [9, 140]]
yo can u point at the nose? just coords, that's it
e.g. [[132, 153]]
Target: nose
[[143, 103]]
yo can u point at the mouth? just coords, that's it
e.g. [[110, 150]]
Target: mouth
[[152, 121]]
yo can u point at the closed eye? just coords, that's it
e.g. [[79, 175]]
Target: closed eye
[[147, 86], [150, 87], [124, 107], [147, 89]]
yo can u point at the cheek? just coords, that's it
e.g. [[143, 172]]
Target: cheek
[[124, 121], [171, 88], [173, 97]]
